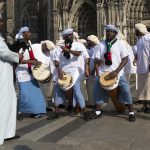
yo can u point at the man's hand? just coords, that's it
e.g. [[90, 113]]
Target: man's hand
[[60, 74], [112, 75], [20, 57], [36, 63], [87, 72], [65, 49]]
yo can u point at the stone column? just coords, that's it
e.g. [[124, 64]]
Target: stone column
[[99, 19], [55, 20]]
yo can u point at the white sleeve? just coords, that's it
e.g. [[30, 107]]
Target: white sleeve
[[56, 55], [123, 50], [6, 54], [76, 46]]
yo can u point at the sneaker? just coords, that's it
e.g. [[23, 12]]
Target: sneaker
[[86, 116], [147, 110], [132, 118], [95, 116]]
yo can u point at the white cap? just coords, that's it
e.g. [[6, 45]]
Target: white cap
[[67, 32], [49, 44]]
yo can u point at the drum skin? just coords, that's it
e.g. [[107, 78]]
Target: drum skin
[[41, 72], [65, 83]]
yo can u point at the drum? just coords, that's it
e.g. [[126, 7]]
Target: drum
[[66, 82], [41, 73], [112, 87]]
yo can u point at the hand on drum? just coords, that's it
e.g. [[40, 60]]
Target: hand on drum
[[60, 74], [112, 75], [36, 63], [65, 49]]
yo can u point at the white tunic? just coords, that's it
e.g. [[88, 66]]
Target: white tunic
[[8, 101], [69, 66], [143, 54], [118, 50]]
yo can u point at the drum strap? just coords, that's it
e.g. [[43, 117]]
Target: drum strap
[[108, 55]]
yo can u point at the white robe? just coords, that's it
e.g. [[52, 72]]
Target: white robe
[[8, 101]]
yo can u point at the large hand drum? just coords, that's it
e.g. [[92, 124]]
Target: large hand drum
[[113, 90], [41, 73], [66, 82]]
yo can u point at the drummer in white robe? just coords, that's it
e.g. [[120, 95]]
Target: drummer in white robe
[[66, 60], [93, 46], [112, 56], [8, 102], [44, 53], [143, 66]]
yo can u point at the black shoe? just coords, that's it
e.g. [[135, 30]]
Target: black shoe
[[147, 110], [69, 108], [62, 106], [86, 116], [132, 118], [53, 116], [95, 116], [49, 109], [13, 138], [142, 109], [20, 117]]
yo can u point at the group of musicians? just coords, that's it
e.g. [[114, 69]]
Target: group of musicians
[[71, 62], [81, 59]]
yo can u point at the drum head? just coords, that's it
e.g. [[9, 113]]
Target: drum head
[[41, 72], [65, 83], [108, 84]]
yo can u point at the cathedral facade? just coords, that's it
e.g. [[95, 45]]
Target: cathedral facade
[[47, 18]]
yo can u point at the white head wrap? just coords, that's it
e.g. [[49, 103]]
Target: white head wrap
[[23, 29], [111, 27], [17, 37], [141, 28], [67, 32], [49, 44], [93, 38]]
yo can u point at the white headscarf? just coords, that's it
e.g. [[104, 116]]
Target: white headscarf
[[23, 29], [141, 28], [67, 32], [49, 44], [111, 27], [94, 39]]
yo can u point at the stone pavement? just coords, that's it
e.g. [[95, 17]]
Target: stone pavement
[[68, 132]]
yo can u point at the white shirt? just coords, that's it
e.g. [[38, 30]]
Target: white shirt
[[92, 51], [118, 51], [81, 61], [69, 66], [22, 72], [143, 54]]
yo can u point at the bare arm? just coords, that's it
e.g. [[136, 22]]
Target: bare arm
[[57, 65], [114, 74]]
